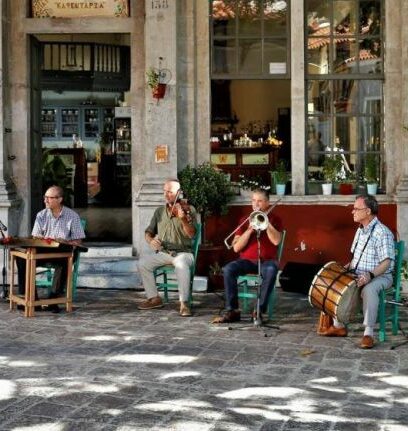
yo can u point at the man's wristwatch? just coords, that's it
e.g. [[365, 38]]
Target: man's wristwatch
[[371, 275]]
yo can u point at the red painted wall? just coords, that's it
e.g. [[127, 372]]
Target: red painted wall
[[325, 230]]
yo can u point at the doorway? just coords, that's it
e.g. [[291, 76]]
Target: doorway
[[85, 128]]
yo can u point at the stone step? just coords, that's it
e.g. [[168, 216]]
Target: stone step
[[107, 265], [112, 266], [110, 281], [108, 249]]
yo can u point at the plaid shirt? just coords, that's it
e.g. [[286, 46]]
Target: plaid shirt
[[380, 246], [66, 226]]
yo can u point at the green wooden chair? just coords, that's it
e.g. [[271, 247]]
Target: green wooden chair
[[165, 274], [247, 285], [390, 312], [47, 273]]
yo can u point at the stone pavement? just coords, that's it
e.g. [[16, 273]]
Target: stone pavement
[[108, 366]]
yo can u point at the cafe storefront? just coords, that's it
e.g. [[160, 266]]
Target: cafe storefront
[[248, 84]]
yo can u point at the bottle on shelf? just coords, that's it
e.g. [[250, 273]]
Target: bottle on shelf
[[76, 141]]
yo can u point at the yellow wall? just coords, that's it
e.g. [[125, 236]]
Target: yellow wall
[[259, 100]]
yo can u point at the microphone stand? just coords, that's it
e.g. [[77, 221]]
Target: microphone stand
[[257, 319]]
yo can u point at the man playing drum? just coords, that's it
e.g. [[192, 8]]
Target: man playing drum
[[373, 261]]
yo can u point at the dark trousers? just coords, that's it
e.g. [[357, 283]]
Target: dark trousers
[[269, 270], [59, 279]]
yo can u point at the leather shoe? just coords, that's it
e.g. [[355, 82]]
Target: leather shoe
[[54, 308], [332, 331], [229, 317], [367, 342], [185, 310]]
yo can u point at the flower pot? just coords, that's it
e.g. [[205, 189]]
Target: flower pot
[[372, 188], [280, 189], [327, 188], [346, 189], [247, 194], [159, 91]]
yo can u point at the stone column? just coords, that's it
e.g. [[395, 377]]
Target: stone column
[[297, 97], [8, 201], [160, 122], [193, 82], [395, 108]]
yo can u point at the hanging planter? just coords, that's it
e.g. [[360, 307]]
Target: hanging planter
[[159, 91], [157, 80]]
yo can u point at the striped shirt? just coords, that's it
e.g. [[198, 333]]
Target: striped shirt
[[66, 226], [380, 246]]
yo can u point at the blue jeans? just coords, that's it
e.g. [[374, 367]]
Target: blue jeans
[[269, 270]]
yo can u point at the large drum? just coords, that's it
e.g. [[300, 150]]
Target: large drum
[[334, 291]]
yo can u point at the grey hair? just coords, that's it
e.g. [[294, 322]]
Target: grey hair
[[370, 202]]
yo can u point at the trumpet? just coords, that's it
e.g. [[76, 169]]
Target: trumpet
[[258, 220]]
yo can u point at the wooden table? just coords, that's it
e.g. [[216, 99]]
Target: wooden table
[[32, 250]]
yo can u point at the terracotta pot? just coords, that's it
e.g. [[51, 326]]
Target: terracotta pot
[[159, 91], [346, 188]]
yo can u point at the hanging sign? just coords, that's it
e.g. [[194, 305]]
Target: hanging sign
[[79, 8]]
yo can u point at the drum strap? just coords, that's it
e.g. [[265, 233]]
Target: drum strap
[[365, 245]]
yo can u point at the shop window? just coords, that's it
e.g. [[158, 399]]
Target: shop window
[[344, 88], [249, 38]]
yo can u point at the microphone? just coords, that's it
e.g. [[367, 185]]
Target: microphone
[[2, 226]]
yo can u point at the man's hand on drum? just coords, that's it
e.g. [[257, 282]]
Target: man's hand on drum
[[363, 279]]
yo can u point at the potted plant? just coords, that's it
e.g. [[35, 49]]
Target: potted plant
[[331, 167], [371, 173], [207, 189], [280, 177], [153, 81], [56, 172], [346, 184]]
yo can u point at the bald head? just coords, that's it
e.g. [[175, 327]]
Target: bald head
[[170, 189]]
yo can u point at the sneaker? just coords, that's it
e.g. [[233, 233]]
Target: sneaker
[[185, 310], [155, 302]]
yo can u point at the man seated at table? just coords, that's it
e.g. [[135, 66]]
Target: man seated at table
[[58, 222]]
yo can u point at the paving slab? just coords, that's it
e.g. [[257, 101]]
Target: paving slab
[[108, 366]]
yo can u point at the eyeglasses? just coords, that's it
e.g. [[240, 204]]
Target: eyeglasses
[[359, 209], [51, 197]]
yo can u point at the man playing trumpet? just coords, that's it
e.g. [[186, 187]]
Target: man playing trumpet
[[245, 242]]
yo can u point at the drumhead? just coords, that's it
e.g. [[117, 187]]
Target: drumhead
[[346, 308]]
